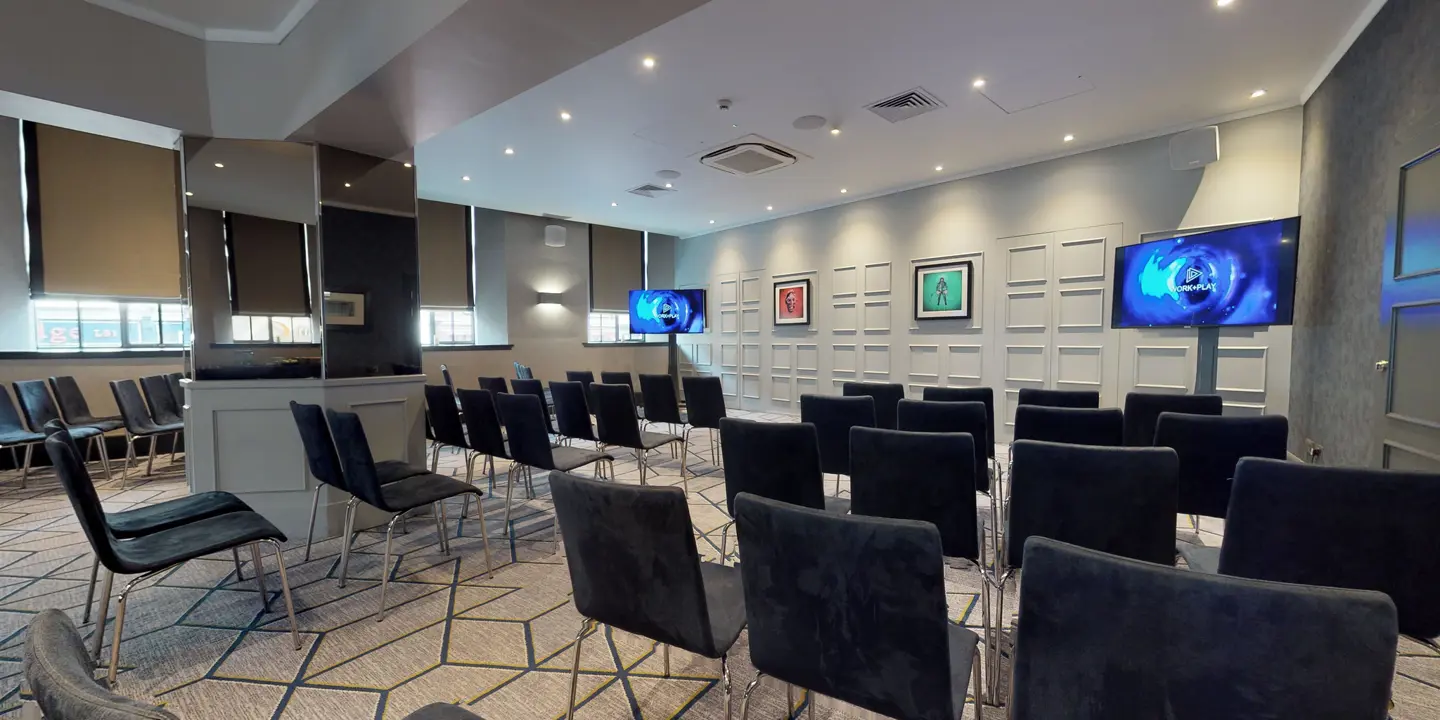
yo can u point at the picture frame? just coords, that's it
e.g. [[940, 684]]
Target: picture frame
[[344, 308], [944, 290], [792, 302]]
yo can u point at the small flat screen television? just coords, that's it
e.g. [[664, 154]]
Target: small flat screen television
[[1242, 275], [667, 312]]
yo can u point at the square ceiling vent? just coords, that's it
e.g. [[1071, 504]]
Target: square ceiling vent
[[906, 105], [650, 190], [749, 156]]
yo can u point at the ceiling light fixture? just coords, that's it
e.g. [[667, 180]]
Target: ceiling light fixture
[[509, 151], [1069, 138], [648, 62], [188, 193], [843, 191], [565, 116], [1258, 93], [835, 131], [614, 204], [347, 184], [220, 165], [409, 165], [939, 168], [668, 186], [979, 83], [466, 178], [712, 222], [769, 207], [1224, 3]]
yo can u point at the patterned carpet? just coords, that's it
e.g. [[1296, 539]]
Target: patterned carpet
[[196, 641]]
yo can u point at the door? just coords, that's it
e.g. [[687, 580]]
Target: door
[[1409, 437], [1022, 318]]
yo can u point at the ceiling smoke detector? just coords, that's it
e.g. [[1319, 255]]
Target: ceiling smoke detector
[[906, 105], [650, 191], [750, 155]]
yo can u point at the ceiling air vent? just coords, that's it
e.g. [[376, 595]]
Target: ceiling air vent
[[650, 191], [906, 105], [750, 155]]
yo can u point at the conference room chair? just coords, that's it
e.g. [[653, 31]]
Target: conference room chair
[[164, 407], [323, 460], [1142, 412], [1060, 398], [1075, 426], [619, 426], [495, 385], [833, 417], [983, 395], [445, 374], [536, 388], [61, 676], [633, 565], [444, 417], [523, 372], [14, 436], [705, 408], [887, 399], [39, 409], [177, 389], [1105, 636], [852, 608], [155, 553], [572, 412], [1356, 528], [619, 377], [530, 447], [660, 402], [400, 497], [780, 461], [75, 410], [442, 711], [1210, 447], [927, 416], [483, 431], [584, 377], [138, 424]]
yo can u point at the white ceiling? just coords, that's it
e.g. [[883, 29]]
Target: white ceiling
[[1155, 67], [248, 21]]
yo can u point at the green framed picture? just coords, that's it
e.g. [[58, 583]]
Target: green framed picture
[[944, 291]]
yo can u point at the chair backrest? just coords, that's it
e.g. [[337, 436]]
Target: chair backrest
[[615, 419], [524, 422], [984, 395], [445, 373], [926, 476], [444, 416], [1076, 426], [1106, 637], [584, 377], [1339, 527], [177, 389], [704, 401], [160, 399], [1115, 500], [526, 386], [833, 417], [661, 405], [572, 410], [774, 460], [1210, 447], [81, 492], [926, 416], [617, 377], [69, 398], [35, 403], [9, 418], [523, 372], [1142, 411], [1060, 398], [633, 563], [496, 385], [353, 448], [320, 453], [847, 606], [482, 421], [887, 399], [132, 406], [61, 675]]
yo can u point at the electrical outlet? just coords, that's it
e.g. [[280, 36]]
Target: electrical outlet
[[1313, 451]]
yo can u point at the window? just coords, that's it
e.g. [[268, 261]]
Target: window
[[109, 325], [444, 326], [284, 329], [610, 327]]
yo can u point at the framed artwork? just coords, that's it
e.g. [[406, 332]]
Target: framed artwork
[[344, 308], [944, 291], [792, 302]]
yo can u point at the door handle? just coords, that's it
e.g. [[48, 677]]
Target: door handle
[[1382, 366]]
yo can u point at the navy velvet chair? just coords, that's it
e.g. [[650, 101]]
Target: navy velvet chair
[[139, 424], [780, 461], [13, 435], [853, 608], [705, 407], [833, 417], [1106, 637], [523, 372], [1142, 411], [445, 424], [523, 386], [530, 447], [164, 406], [619, 426], [887, 400], [445, 373], [442, 711], [483, 431], [177, 389], [398, 498], [928, 416], [1074, 426], [75, 409], [661, 404], [969, 394], [623, 377], [1060, 398], [634, 566], [1210, 447], [61, 676], [927, 476], [496, 385], [1282, 526], [584, 377], [39, 409], [572, 411]]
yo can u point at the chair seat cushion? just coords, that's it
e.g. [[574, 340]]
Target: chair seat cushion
[[20, 437], [85, 433], [840, 506], [441, 711], [569, 458], [159, 429], [394, 470], [1199, 557], [104, 425], [420, 490], [725, 601], [962, 655], [172, 514], [650, 440], [193, 540]]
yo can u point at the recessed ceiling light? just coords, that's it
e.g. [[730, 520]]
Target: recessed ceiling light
[[769, 207], [614, 204], [668, 185], [712, 222], [939, 168], [1258, 93], [564, 115], [648, 62], [509, 151], [1069, 138], [466, 178], [220, 165], [734, 125], [835, 131], [409, 165], [1224, 3], [188, 193], [843, 191], [979, 83], [347, 184]]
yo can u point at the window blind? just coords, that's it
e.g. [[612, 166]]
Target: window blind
[[617, 266], [267, 266], [445, 258]]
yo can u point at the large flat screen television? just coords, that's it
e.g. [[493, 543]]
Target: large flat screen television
[[667, 312], [1242, 275]]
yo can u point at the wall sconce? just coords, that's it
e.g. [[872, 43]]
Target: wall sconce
[[555, 236], [548, 298]]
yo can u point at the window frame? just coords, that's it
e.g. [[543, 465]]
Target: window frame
[[122, 307], [428, 325], [269, 322], [623, 336]]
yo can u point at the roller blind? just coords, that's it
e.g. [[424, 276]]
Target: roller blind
[[444, 255], [267, 266], [617, 266], [104, 215]]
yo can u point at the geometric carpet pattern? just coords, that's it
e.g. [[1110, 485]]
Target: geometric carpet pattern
[[197, 641]]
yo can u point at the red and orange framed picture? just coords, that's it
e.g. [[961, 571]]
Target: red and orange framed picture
[[792, 302]]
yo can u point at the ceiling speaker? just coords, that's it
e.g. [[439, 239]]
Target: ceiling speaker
[[1195, 148], [555, 236]]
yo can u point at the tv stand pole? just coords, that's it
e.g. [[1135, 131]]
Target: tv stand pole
[[1207, 361]]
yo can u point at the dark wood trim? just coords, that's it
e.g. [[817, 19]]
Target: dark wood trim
[[254, 345], [464, 348], [89, 354], [30, 144]]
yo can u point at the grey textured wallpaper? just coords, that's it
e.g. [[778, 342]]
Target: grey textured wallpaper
[[1384, 87]]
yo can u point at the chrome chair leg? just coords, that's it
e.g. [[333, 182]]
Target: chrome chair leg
[[484, 538], [97, 637], [105, 458], [440, 527], [235, 555], [90, 591], [509, 493], [666, 653], [745, 699], [260, 576], [725, 681], [385, 567], [585, 626], [285, 590], [150, 464], [789, 699], [120, 622], [25, 471], [349, 531], [975, 681], [314, 508]]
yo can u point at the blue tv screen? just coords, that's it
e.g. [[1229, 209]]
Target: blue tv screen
[[1238, 276], [667, 312]]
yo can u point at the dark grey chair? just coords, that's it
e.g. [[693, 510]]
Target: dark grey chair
[[887, 399], [177, 389], [634, 567], [1059, 398], [155, 553], [1355, 528], [445, 373], [618, 377], [969, 394], [363, 480], [1107, 637], [927, 476], [496, 385], [483, 432], [584, 377], [164, 406], [39, 409], [1142, 412], [61, 676], [1074, 426], [833, 417], [661, 404], [443, 414], [530, 447], [13, 435], [619, 426], [705, 407], [138, 424], [523, 386], [75, 410], [853, 608], [442, 711], [1210, 447], [780, 461], [523, 372], [572, 411], [927, 416]]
